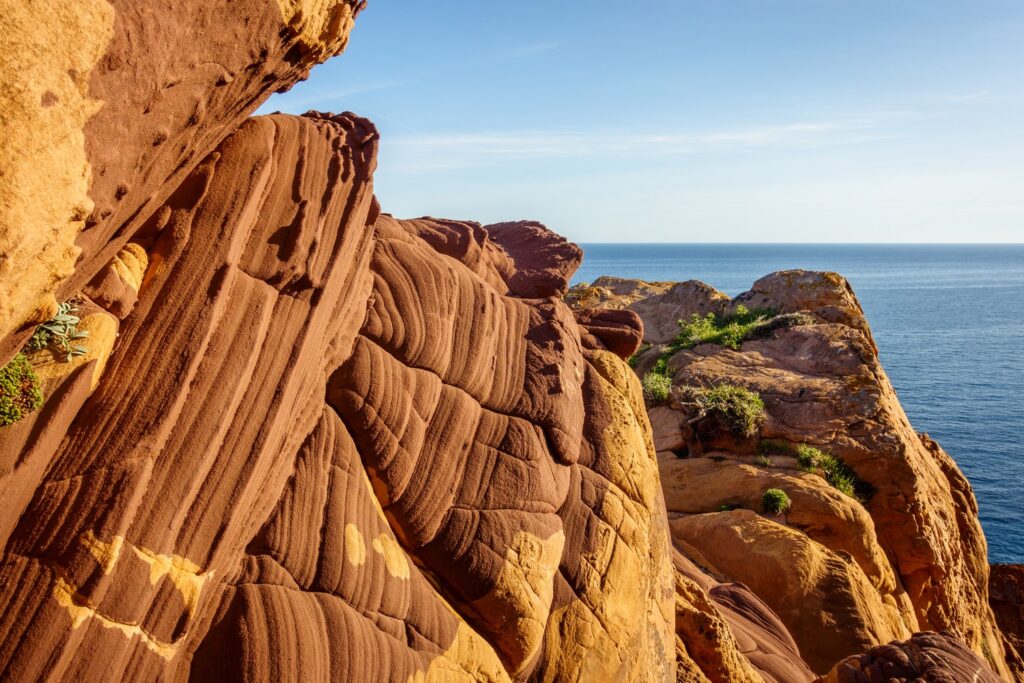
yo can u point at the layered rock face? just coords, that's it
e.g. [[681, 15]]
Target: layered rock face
[[844, 570], [330, 445]]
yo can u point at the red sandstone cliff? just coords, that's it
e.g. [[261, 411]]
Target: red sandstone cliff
[[304, 440]]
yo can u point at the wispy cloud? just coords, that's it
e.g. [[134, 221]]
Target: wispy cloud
[[465, 150], [531, 49], [313, 96]]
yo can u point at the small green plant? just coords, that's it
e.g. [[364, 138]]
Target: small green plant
[[775, 501], [808, 457], [764, 461], [657, 387], [728, 507], [740, 409], [19, 390], [60, 332]]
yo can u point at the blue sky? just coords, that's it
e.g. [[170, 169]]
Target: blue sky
[[694, 120]]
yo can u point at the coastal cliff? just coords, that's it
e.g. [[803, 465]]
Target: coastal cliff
[[874, 535], [255, 428]]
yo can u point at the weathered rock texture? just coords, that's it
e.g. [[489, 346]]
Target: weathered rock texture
[[331, 445], [925, 658], [843, 575], [108, 105]]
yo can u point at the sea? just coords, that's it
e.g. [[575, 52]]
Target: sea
[[949, 323]]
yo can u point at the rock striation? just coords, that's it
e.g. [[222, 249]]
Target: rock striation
[[378, 446]]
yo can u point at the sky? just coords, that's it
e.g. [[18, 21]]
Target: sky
[[694, 120]]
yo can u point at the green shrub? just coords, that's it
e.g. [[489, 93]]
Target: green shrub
[[732, 330], [59, 332], [657, 387], [19, 390], [725, 330], [808, 457], [764, 461], [741, 410], [775, 501], [728, 507]]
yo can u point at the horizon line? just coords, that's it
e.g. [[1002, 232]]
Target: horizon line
[[816, 244]]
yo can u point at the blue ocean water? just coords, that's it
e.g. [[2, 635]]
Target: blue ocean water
[[949, 323]]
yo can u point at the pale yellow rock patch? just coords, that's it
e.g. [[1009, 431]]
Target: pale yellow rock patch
[[185, 574], [395, 560], [67, 597], [523, 591], [323, 26], [47, 52], [355, 545], [130, 265], [106, 554]]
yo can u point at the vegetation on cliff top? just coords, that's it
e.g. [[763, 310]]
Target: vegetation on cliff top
[[741, 410]]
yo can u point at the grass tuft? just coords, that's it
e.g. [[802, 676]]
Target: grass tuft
[[741, 410], [657, 387], [776, 502], [816, 461]]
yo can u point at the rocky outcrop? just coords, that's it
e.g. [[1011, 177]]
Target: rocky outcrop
[[903, 552], [109, 104], [368, 451], [659, 304], [926, 657]]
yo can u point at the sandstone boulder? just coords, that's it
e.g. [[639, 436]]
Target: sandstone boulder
[[925, 658]]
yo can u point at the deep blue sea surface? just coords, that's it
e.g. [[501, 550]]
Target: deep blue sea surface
[[949, 322]]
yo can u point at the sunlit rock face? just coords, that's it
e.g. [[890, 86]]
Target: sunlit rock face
[[331, 446], [109, 104]]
